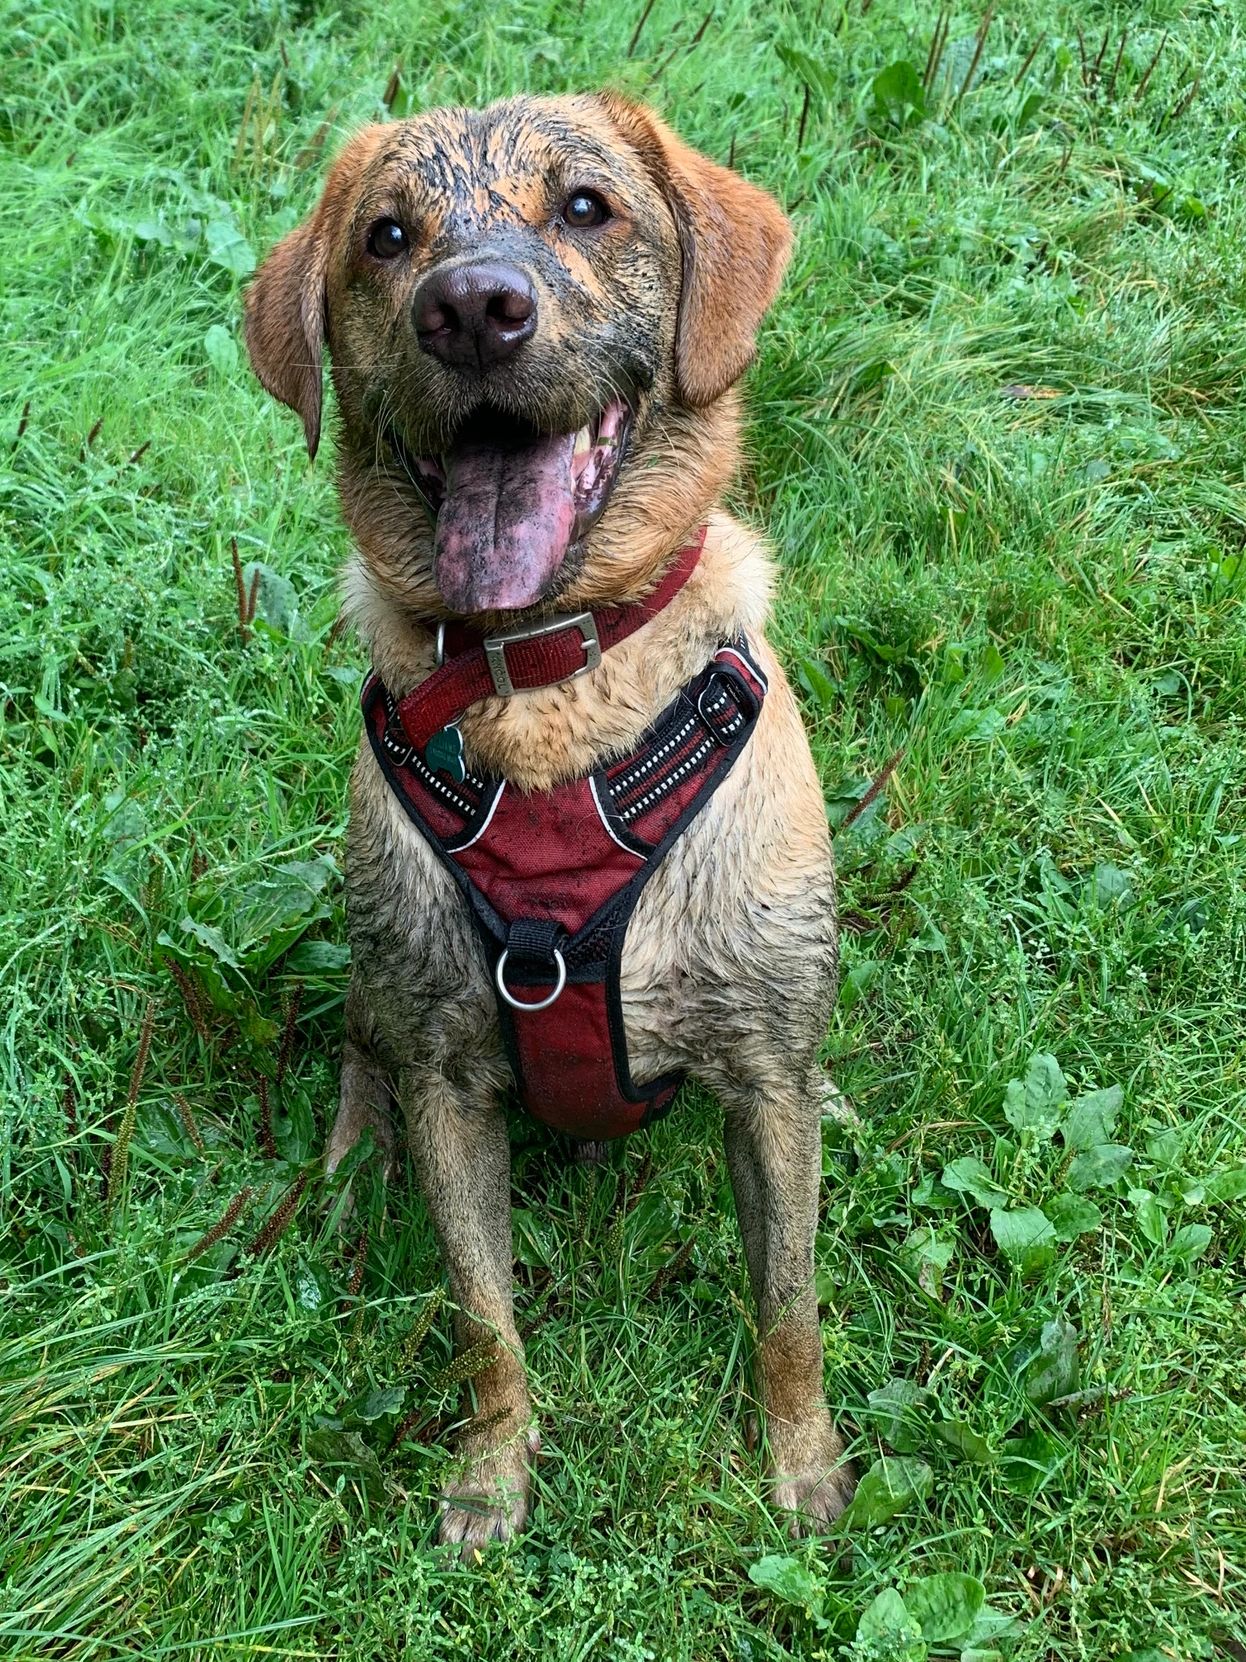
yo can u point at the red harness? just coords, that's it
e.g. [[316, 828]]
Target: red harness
[[552, 877]]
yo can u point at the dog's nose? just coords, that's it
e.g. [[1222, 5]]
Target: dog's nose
[[473, 316]]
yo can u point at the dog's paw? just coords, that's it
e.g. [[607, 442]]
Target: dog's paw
[[813, 1498], [490, 1500], [810, 1481]]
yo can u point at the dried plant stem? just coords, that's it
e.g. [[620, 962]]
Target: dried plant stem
[[358, 1263], [414, 1341], [622, 1205], [120, 1156], [1183, 104], [315, 143], [636, 32], [1150, 68], [879, 784], [938, 43], [700, 34], [287, 1036], [241, 588], [266, 1238], [69, 1106], [190, 998], [979, 43], [228, 1218], [672, 1267], [1103, 46], [466, 1365], [188, 1121], [268, 1142], [1029, 59], [240, 143], [408, 1424], [1116, 66]]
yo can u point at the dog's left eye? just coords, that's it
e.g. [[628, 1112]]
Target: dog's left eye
[[584, 210], [387, 239]]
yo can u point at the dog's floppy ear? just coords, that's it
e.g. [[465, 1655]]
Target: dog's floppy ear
[[286, 307], [734, 242], [285, 323]]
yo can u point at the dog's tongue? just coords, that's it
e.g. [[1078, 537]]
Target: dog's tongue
[[505, 523]]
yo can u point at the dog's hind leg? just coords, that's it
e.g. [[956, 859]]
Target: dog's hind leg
[[362, 1106], [460, 1146], [774, 1155], [365, 1101]]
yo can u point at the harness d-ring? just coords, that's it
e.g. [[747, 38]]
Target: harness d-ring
[[520, 1004]]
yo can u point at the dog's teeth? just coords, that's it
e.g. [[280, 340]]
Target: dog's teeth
[[583, 442]]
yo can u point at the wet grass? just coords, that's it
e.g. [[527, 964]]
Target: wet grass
[[998, 441]]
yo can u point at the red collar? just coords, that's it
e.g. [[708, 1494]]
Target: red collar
[[539, 655]]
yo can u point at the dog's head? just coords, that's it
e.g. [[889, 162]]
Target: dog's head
[[529, 309]]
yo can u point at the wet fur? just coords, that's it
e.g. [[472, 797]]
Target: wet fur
[[729, 966]]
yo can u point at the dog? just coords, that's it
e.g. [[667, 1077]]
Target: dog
[[537, 315]]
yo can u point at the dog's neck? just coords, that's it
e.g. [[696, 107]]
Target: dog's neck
[[537, 739]]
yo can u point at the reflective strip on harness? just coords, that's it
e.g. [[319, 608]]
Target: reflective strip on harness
[[552, 878]]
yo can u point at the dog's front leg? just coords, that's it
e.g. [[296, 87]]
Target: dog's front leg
[[461, 1151], [774, 1154]]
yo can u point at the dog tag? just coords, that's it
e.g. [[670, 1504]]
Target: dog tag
[[444, 753]]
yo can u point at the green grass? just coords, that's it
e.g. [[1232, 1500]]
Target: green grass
[[1038, 600]]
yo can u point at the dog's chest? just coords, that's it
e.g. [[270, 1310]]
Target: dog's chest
[[727, 934]]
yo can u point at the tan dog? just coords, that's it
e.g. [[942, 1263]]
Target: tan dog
[[501, 290]]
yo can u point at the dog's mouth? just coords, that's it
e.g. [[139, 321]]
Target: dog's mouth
[[510, 502]]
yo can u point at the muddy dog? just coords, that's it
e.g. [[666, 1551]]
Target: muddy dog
[[536, 316]]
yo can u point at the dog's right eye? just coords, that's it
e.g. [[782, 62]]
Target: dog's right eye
[[387, 239]]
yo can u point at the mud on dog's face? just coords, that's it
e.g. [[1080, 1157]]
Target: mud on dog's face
[[524, 307]]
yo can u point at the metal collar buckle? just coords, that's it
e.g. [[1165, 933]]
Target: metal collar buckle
[[495, 648]]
